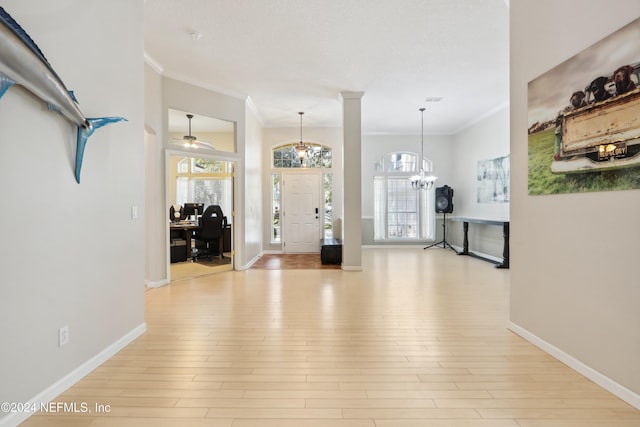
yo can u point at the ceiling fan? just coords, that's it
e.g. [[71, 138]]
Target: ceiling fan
[[190, 141]]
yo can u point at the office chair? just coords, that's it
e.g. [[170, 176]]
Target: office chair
[[212, 225]]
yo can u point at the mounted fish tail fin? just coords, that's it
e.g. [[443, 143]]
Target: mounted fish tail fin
[[84, 132], [5, 84]]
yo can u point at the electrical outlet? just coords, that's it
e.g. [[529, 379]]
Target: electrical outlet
[[63, 336]]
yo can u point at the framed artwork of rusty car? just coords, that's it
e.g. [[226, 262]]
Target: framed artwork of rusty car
[[584, 119]]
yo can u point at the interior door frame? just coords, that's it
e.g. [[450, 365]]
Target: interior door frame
[[168, 153], [283, 218]]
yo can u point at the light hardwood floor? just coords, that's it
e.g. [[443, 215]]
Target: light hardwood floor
[[419, 338]]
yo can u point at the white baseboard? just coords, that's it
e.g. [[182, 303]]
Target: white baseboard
[[50, 393], [483, 255], [602, 380], [394, 246], [425, 244], [250, 263], [156, 284]]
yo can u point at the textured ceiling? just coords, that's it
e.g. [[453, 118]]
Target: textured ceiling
[[298, 55]]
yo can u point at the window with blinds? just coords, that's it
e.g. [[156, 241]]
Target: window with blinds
[[400, 212]]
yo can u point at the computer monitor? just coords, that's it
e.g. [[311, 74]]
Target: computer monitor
[[189, 209]]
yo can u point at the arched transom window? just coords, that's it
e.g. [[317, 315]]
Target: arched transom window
[[316, 156]]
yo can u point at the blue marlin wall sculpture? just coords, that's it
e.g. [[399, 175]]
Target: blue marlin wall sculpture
[[22, 63]]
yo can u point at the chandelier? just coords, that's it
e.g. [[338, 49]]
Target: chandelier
[[301, 148], [423, 180]]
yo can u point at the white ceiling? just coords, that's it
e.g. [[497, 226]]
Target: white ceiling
[[298, 55]]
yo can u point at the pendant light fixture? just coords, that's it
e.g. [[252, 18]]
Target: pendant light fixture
[[423, 180], [301, 148], [189, 140]]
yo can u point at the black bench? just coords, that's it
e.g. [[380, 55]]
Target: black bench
[[331, 251]]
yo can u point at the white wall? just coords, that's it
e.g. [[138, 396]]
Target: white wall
[[155, 221], [187, 97], [437, 148], [155, 269], [247, 202], [574, 288], [71, 253], [254, 211], [484, 140], [221, 141]]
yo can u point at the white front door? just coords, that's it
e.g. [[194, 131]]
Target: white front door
[[302, 212]]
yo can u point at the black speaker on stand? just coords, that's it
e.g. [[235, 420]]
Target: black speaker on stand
[[444, 205]]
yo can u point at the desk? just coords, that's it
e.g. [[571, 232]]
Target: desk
[[505, 233], [183, 231]]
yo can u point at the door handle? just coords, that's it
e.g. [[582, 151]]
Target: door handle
[[316, 211]]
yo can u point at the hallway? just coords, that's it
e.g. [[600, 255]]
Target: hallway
[[417, 338]]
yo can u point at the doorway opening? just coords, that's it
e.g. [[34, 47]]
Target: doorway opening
[[195, 183], [200, 166]]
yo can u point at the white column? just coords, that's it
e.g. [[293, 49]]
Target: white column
[[352, 172]]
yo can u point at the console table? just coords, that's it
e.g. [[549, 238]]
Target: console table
[[505, 232]]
